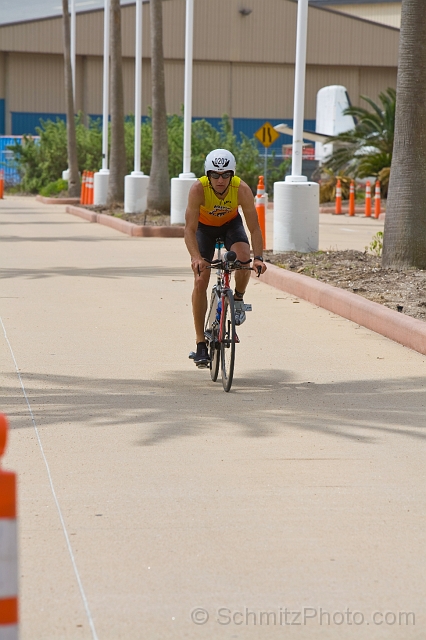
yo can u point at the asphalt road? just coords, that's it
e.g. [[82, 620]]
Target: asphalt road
[[293, 506]]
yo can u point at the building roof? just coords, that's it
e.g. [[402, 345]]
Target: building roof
[[13, 11], [324, 3]]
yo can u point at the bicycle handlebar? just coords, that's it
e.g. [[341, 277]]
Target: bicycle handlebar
[[236, 264]]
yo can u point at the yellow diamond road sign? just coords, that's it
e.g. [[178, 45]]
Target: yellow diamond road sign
[[266, 134]]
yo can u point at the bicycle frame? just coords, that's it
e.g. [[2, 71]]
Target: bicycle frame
[[222, 285], [220, 327]]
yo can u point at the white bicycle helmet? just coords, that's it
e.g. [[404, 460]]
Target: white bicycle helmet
[[220, 160]]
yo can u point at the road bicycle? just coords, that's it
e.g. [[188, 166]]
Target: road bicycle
[[220, 333]]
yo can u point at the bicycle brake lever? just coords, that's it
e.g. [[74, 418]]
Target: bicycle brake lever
[[259, 271]]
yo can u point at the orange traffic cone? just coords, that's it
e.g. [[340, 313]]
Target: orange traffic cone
[[260, 208], [1, 184], [377, 200], [260, 187], [368, 199], [352, 199], [83, 188], [89, 187], [338, 208], [9, 546]]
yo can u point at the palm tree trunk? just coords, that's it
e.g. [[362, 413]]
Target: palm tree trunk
[[73, 176], [159, 181], [117, 163], [405, 226]]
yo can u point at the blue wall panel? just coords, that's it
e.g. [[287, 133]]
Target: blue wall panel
[[7, 163], [26, 123], [2, 116]]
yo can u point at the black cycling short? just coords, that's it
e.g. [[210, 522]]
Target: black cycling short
[[231, 232]]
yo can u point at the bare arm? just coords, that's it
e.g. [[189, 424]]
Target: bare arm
[[195, 200], [246, 200]]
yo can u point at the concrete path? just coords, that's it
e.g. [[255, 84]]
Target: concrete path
[[336, 232], [147, 494]]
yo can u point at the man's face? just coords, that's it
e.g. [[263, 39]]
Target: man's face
[[220, 180]]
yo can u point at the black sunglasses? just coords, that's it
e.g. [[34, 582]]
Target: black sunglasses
[[225, 175]]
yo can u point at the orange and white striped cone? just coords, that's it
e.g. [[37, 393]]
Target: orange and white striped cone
[[260, 204], [89, 187], [352, 198], [338, 207], [377, 200], [260, 187], [368, 199], [83, 187], [9, 628]]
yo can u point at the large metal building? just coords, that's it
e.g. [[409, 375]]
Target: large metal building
[[383, 11], [244, 53]]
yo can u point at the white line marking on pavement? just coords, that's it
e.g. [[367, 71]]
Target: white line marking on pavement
[[80, 585]]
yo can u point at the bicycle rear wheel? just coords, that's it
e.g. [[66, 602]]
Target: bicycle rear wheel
[[227, 343]]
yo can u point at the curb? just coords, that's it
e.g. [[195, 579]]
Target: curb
[[345, 212], [124, 226], [90, 216], [409, 332], [46, 200]]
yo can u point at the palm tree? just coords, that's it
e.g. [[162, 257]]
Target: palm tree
[[404, 243], [366, 150], [117, 162], [159, 182], [73, 175]]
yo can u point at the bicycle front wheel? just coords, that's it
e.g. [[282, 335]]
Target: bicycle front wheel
[[228, 340], [211, 335], [214, 355]]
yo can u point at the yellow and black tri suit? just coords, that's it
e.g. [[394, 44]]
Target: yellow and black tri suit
[[219, 218]]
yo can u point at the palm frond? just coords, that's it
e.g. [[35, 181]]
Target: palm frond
[[367, 148]]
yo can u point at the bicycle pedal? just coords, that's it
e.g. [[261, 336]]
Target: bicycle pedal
[[248, 307], [203, 365]]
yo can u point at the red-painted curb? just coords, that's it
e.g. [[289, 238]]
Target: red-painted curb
[[91, 216], [124, 226], [115, 223], [46, 200], [409, 332]]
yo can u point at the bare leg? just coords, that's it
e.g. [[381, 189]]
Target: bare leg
[[199, 303], [241, 277]]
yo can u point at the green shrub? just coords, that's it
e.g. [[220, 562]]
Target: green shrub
[[376, 244], [41, 161], [54, 188]]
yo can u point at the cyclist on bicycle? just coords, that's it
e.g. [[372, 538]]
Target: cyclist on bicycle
[[212, 212]]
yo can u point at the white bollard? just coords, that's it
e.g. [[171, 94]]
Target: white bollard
[[135, 192], [9, 626], [179, 197], [296, 216], [100, 185]]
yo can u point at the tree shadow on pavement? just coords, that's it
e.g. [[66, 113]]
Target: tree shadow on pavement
[[100, 272], [51, 239], [186, 404]]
